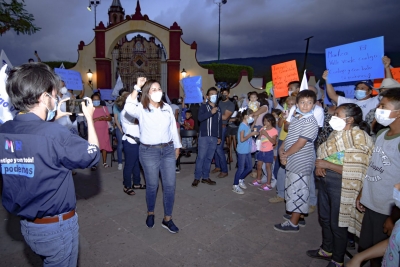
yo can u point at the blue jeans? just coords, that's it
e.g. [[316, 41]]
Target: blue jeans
[[156, 161], [206, 148], [244, 167], [119, 146], [132, 166], [56, 243], [220, 160], [313, 196], [277, 163]]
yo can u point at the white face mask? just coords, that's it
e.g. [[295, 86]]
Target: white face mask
[[64, 90], [156, 96], [337, 123], [290, 93], [396, 197], [382, 116]]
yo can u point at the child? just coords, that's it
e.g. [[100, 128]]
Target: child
[[243, 150], [253, 104], [188, 124], [382, 174], [298, 154], [268, 136]]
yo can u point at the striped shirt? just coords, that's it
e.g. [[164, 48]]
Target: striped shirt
[[303, 161]]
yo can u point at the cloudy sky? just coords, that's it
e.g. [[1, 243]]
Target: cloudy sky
[[249, 28]]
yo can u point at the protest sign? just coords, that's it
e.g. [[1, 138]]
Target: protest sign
[[7, 110], [395, 73], [347, 88], [304, 83], [118, 86], [72, 78], [192, 89], [268, 87], [282, 74], [355, 61], [5, 61], [106, 94]]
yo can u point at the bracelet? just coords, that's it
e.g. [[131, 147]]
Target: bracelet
[[137, 88]]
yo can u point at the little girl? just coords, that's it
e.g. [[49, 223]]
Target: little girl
[[253, 104], [268, 136], [243, 150]]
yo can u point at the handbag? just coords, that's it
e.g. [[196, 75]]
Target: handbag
[[253, 145]]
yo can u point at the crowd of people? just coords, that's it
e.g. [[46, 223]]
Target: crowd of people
[[349, 151]]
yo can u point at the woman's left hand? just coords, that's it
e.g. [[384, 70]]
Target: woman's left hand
[[177, 151], [321, 164]]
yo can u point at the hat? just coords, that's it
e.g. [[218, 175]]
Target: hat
[[368, 83], [388, 83]]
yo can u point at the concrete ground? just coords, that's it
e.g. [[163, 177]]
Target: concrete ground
[[217, 227]]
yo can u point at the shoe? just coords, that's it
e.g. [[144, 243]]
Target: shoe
[[333, 264], [302, 222], [276, 199], [216, 170], [120, 166], [242, 185], [264, 188], [177, 170], [255, 183], [237, 189], [311, 209], [315, 255], [150, 221], [195, 183], [208, 181], [286, 227], [170, 226], [222, 175]]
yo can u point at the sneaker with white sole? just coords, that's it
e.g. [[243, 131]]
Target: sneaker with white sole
[[242, 185], [237, 189], [120, 166], [276, 199], [302, 222], [286, 227]]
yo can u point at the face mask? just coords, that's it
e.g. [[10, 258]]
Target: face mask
[[302, 113], [96, 103], [337, 123], [250, 120], [224, 97], [360, 94], [396, 197], [156, 96], [290, 93], [213, 99], [64, 90], [179, 101], [51, 113], [382, 116]]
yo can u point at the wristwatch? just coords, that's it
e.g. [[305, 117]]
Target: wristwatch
[[137, 88]]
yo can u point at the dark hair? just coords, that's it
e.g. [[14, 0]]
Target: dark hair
[[262, 99], [122, 91], [269, 117], [188, 111], [95, 94], [212, 89], [393, 95], [120, 102], [297, 83], [252, 93], [174, 101], [244, 113], [26, 83], [306, 94], [31, 60], [225, 89], [340, 93], [354, 111], [146, 97], [276, 111]]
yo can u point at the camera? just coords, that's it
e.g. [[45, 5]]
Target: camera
[[74, 106]]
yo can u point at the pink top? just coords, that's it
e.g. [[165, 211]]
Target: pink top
[[266, 145]]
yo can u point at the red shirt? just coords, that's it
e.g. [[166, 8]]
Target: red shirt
[[188, 124]]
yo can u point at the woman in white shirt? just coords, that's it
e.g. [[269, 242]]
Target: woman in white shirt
[[159, 146]]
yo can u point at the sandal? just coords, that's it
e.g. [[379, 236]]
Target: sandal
[[93, 168], [129, 191], [265, 187], [255, 182], [139, 186], [105, 165]]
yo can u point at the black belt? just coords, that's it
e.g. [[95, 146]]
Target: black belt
[[137, 140], [158, 145]]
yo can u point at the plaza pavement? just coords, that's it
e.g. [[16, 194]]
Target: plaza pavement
[[217, 227]]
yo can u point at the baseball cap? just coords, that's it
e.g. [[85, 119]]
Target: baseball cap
[[368, 83]]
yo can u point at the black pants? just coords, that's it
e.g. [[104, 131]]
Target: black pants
[[334, 238], [372, 233]]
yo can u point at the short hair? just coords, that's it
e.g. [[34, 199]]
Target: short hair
[[341, 93], [31, 60], [269, 117], [297, 83], [95, 94], [174, 101], [276, 111], [145, 94], [212, 89], [123, 90], [225, 89], [26, 83], [393, 95], [306, 94], [188, 111], [253, 93]]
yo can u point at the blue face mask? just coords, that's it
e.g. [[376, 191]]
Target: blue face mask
[[302, 113], [213, 99], [360, 94], [51, 113], [96, 103], [250, 120]]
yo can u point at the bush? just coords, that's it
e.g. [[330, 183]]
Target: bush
[[228, 73]]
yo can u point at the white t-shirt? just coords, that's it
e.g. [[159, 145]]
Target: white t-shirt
[[318, 114], [365, 105]]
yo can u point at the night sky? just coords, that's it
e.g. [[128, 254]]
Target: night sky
[[249, 28]]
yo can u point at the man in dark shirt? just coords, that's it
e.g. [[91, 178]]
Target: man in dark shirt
[[36, 164]]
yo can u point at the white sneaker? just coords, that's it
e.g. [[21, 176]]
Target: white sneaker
[[237, 189], [242, 185], [120, 166]]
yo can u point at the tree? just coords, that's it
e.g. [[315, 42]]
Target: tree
[[228, 73], [13, 16]]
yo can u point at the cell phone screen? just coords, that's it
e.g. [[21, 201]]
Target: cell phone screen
[[74, 106]]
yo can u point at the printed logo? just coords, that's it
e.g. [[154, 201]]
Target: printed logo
[[13, 146], [27, 170]]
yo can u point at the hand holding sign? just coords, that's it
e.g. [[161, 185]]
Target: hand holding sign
[[192, 89]]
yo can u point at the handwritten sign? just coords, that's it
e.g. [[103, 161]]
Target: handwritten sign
[[395, 73], [282, 74], [192, 88], [347, 88], [72, 78], [106, 94], [355, 61]]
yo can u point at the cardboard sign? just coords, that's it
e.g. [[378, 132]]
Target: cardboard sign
[[347, 88], [72, 78], [355, 61], [268, 87], [395, 73], [192, 89], [106, 94], [282, 74]]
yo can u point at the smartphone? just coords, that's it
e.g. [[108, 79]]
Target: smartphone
[[74, 106]]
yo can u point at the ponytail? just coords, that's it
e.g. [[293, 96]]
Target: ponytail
[[354, 111], [365, 127]]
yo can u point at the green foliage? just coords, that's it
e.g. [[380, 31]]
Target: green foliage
[[228, 73], [57, 64], [13, 16]]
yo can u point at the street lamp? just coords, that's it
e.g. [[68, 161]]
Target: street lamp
[[305, 58], [90, 75], [219, 3], [94, 4], [183, 72]]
